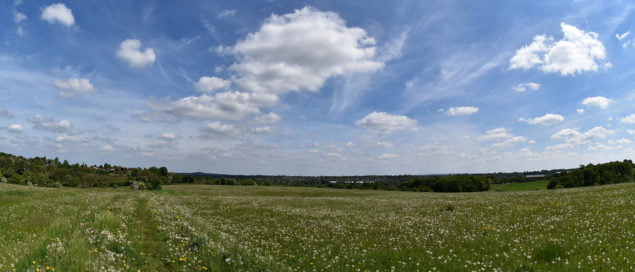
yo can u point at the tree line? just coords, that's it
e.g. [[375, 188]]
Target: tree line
[[41, 171], [590, 175]]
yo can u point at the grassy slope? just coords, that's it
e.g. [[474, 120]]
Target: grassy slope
[[230, 228], [520, 186]]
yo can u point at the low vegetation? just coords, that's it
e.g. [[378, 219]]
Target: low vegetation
[[260, 228]]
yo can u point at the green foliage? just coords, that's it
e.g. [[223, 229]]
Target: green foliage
[[45, 172], [589, 175], [453, 183]]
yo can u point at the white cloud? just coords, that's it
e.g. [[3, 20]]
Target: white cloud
[[300, 50], [68, 139], [510, 141], [388, 156], [384, 144], [462, 111], [266, 119], [73, 86], [621, 141], [18, 17], [58, 13], [573, 136], [545, 120], [381, 122], [503, 136], [495, 134], [622, 36], [130, 51], [597, 101], [631, 131], [628, 119], [226, 105], [350, 144], [208, 84], [335, 155], [47, 124], [227, 13], [265, 130], [168, 136], [16, 128], [221, 129], [580, 111], [521, 87], [106, 148], [578, 51]]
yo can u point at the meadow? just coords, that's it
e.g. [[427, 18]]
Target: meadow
[[260, 228]]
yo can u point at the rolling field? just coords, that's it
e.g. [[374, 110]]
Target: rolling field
[[236, 228], [520, 186]]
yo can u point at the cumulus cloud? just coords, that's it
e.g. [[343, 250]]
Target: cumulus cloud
[[221, 129], [577, 52], [495, 134], [388, 156], [384, 123], [265, 130], [226, 105], [18, 17], [545, 120], [621, 141], [511, 141], [628, 119], [67, 139], [47, 124], [384, 144], [168, 136], [15, 128], [462, 111], [300, 51], [73, 86], [106, 148], [573, 136], [58, 13], [266, 119], [597, 101], [208, 84], [130, 51], [503, 137], [525, 86]]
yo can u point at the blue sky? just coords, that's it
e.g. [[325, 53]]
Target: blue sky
[[319, 87]]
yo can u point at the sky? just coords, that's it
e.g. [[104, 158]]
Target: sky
[[319, 87]]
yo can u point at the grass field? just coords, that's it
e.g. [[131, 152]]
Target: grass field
[[520, 186], [232, 228]]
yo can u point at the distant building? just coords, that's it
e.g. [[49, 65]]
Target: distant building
[[535, 176]]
